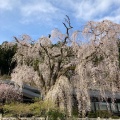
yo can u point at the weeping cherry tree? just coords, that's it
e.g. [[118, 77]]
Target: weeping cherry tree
[[66, 71]]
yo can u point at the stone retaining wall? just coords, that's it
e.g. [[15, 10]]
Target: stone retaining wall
[[42, 118]]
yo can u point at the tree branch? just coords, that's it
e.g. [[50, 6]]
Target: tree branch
[[46, 51], [67, 29]]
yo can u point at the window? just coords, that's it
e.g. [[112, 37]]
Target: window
[[119, 107], [92, 106], [103, 106], [97, 105], [114, 107]]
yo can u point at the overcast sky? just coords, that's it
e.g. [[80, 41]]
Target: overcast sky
[[39, 17]]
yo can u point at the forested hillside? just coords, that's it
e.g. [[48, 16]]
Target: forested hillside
[[7, 51]]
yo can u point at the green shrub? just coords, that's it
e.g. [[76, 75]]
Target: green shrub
[[92, 115], [100, 113], [36, 109], [55, 114], [5, 77], [17, 109], [39, 109], [75, 112], [115, 117]]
